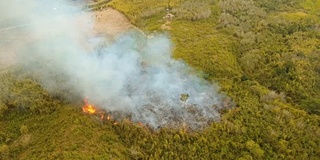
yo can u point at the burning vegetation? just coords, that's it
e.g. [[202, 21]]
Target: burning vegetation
[[92, 110], [88, 108], [171, 118]]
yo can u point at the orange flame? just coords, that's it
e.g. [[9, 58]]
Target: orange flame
[[88, 108], [140, 124], [101, 116]]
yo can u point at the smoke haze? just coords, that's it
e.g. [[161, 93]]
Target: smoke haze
[[130, 74]]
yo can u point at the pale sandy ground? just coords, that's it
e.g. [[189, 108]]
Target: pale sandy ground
[[107, 22], [111, 22]]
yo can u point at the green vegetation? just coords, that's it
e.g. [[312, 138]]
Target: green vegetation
[[264, 44], [264, 54]]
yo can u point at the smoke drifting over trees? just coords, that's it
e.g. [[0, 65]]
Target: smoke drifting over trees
[[130, 74]]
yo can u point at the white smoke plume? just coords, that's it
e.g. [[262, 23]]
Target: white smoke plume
[[131, 74]]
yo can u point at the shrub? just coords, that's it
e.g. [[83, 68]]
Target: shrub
[[4, 152], [24, 130]]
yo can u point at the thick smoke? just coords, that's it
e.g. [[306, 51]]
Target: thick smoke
[[131, 74]]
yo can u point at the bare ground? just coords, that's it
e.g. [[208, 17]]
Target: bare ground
[[110, 22]]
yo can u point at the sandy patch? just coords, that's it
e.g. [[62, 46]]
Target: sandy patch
[[110, 22]]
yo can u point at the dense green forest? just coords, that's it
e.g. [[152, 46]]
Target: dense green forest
[[264, 54]]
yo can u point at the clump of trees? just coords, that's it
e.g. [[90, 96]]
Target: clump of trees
[[193, 10], [25, 95]]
